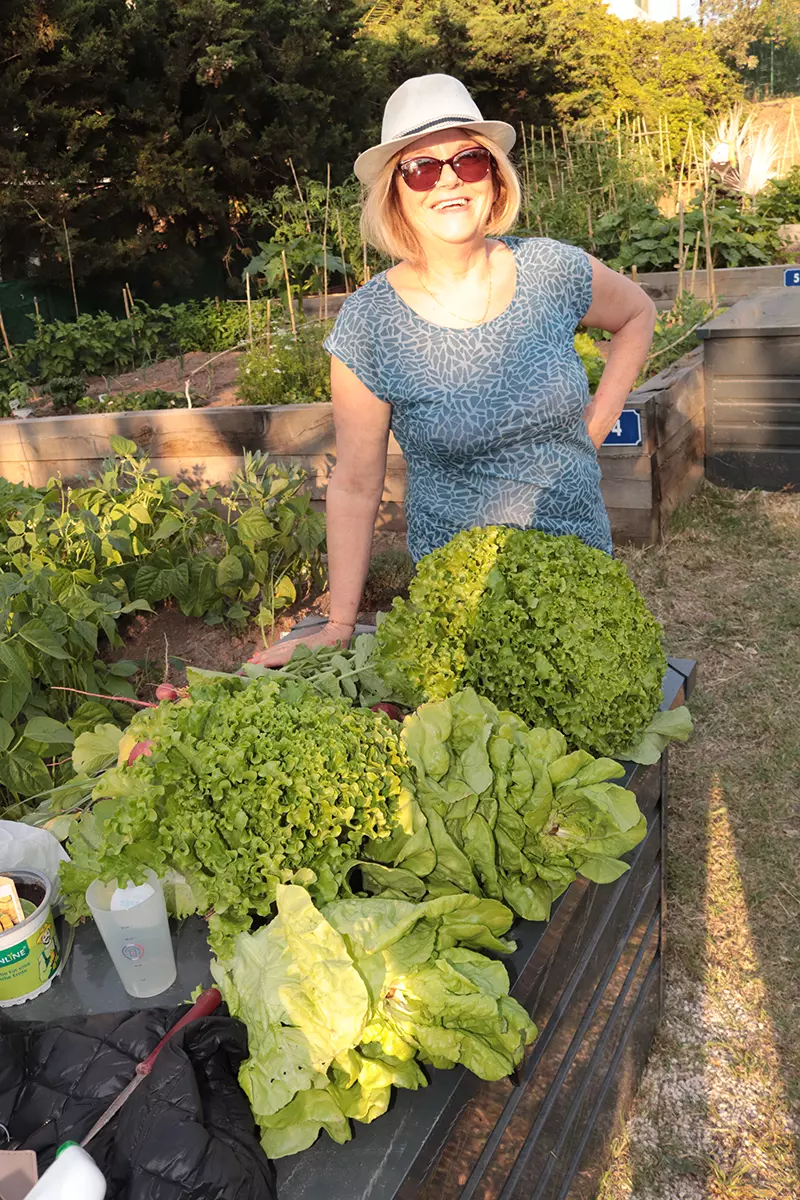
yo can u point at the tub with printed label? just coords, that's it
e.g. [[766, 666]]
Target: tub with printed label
[[29, 952]]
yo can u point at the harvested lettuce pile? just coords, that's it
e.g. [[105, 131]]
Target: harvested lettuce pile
[[502, 811], [545, 626], [240, 787], [342, 1002]]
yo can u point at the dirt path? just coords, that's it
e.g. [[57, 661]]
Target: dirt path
[[718, 1115]]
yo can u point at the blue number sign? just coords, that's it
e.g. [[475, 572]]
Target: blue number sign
[[628, 429], [791, 277]]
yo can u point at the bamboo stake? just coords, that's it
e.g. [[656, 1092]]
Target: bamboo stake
[[589, 219], [619, 134], [269, 323], [36, 306], [527, 166], [552, 192], [9, 351], [341, 249], [533, 156], [694, 264], [680, 248], [711, 289], [300, 194], [71, 269], [366, 264], [128, 316], [130, 296], [683, 159], [250, 308], [661, 146], [325, 247], [634, 272], [669, 144], [289, 295], [541, 231]]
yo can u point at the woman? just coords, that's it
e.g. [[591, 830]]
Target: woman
[[465, 350]]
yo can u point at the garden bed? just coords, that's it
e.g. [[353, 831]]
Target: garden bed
[[642, 485]]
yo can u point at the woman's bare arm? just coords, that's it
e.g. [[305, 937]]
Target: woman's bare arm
[[354, 493], [620, 306]]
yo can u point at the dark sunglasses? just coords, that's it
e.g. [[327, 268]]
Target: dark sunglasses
[[470, 165]]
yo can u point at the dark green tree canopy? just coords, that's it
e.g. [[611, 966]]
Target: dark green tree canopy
[[147, 125]]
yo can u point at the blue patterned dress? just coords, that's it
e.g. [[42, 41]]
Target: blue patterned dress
[[490, 419]]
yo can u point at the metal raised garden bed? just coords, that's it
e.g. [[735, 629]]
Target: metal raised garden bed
[[752, 381], [592, 979]]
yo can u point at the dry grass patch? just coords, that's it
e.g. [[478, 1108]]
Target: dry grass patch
[[718, 1114]]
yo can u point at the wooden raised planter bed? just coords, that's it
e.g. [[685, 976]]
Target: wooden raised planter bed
[[641, 485]]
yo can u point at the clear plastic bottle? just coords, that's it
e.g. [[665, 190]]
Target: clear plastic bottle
[[73, 1176]]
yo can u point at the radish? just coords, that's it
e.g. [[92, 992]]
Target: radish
[[166, 691], [391, 710]]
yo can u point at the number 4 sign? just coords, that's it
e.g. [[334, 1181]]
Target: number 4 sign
[[791, 277], [627, 431]]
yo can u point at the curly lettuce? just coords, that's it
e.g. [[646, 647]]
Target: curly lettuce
[[545, 626], [244, 785]]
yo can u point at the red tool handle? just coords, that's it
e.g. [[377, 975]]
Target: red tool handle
[[204, 1005]]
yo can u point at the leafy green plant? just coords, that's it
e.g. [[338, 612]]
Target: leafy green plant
[[502, 811], [674, 333], [592, 359], [545, 626], [154, 398], [293, 371], [253, 783], [65, 391], [403, 983], [738, 238], [306, 263], [75, 560], [780, 199]]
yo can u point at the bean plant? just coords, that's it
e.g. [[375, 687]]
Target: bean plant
[[76, 560]]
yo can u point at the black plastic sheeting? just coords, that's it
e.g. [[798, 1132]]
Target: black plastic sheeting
[[186, 1133]]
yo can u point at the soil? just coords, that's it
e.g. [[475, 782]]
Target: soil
[[212, 381], [150, 637]]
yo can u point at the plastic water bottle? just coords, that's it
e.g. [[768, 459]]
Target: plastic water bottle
[[73, 1176]]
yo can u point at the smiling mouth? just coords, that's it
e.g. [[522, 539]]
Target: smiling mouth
[[451, 204]]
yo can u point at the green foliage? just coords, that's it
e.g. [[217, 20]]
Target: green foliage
[[75, 560], [649, 241], [300, 220], [65, 391], [293, 371], [154, 398], [673, 335], [148, 124], [503, 811], [545, 626], [247, 783], [593, 361], [780, 199], [402, 982]]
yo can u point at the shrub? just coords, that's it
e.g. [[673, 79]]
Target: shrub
[[292, 372]]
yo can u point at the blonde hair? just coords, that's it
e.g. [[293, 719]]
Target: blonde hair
[[384, 226]]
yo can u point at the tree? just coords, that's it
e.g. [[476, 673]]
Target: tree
[[146, 124]]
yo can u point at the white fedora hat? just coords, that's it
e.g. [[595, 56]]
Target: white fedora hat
[[424, 105]]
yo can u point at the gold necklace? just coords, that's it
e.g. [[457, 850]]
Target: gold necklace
[[449, 312]]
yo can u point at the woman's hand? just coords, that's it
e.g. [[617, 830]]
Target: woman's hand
[[331, 634]]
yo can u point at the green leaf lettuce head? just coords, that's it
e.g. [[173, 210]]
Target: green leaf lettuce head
[[545, 626], [344, 1001], [245, 784], [501, 810]]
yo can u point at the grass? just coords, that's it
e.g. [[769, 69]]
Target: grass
[[718, 1114]]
